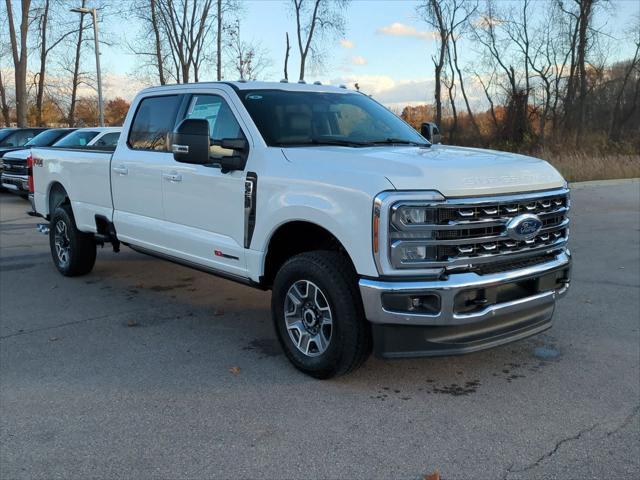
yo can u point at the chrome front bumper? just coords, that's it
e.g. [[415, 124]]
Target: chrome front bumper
[[19, 183], [519, 303], [372, 292]]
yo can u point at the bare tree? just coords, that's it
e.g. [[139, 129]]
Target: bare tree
[[247, 59], [157, 42], [75, 78], [219, 42], [432, 13], [457, 28], [315, 20], [19, 50], [51, 33]]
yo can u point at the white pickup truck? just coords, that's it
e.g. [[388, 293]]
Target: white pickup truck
[[369, 237]]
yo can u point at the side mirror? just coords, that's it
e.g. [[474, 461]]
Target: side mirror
[[238, 160], [431, 132], [190, 143]]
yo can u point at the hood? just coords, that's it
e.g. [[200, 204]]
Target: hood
[[4, 150], [453, 171], [21, 154]]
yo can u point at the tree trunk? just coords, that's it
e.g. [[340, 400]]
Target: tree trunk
[[304, 50], [43, 64], [19, 51], [158, 42], [286, 59], [439, 64], [586, 8], [3, 103], [219, 42], [464, 93]]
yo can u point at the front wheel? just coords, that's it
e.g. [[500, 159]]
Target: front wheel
[[318, 314], [73, 251]]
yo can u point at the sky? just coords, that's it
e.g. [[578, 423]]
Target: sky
[[386, 48]]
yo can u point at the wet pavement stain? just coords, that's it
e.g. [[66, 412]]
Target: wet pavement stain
[[17, 266], [166, 288], [268, 347], [457, 390]]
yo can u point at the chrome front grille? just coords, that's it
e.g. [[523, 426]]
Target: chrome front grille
[[466, 232], [14, 166]]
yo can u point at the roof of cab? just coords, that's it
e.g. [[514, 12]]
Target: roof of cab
[[252, 85]]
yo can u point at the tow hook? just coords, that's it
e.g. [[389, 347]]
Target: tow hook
[[43, 228]]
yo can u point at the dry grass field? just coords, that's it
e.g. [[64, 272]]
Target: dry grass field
[[581, 166]]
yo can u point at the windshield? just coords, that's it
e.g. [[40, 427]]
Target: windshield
[[4, 133], [79, 138], [46, 138], [17, 138], [287, 118]]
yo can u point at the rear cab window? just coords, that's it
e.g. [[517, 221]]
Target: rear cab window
[[108, 141], [153, 122]]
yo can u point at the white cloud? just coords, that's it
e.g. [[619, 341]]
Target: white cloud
[[389, 91], [344, 43], [398, 29], [358, 60]]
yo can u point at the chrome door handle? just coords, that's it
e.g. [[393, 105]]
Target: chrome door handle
[[172, 177], [121, 170]]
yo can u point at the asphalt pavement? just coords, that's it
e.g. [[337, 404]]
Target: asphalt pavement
[[145, 369]]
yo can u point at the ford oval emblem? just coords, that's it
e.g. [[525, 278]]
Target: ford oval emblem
[[524, 227]]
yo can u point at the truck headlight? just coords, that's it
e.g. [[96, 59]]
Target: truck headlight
[[407, 215], [403, 230]]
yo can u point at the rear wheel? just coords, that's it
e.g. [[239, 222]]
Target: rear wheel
[[318, 314], [73, 251]]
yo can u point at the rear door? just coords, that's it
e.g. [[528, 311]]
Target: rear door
[[204, 206], [136, 171]]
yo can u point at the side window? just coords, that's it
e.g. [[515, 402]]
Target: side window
[[222, 121], [108, 140], [153, 122]]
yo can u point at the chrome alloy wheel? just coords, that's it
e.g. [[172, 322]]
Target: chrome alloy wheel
[[62, 243], [308, 318]]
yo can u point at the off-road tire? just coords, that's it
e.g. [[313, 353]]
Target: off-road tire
[[81, 246], [350, 341]]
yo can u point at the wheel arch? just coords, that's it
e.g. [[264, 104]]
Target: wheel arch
[[56, 195], [295, 237]]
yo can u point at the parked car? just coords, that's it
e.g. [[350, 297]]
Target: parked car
[[14, 139], [13, 174], [97, 137], [368, 235]]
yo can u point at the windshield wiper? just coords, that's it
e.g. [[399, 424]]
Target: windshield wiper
[[397, 141]]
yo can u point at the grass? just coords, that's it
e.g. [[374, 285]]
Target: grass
[[583, 166]]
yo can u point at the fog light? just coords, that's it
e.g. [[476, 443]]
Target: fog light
[[411, 303]]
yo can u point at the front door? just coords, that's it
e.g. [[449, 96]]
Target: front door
[[136, 172], [204, 206]]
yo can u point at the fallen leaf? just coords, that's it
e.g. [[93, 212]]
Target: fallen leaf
[[235, 370], [132, 323], [435, 475], [54, 339]]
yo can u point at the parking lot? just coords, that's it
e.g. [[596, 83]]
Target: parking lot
[[145, 369]]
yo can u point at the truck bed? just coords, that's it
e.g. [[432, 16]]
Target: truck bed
[[85, 174]]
